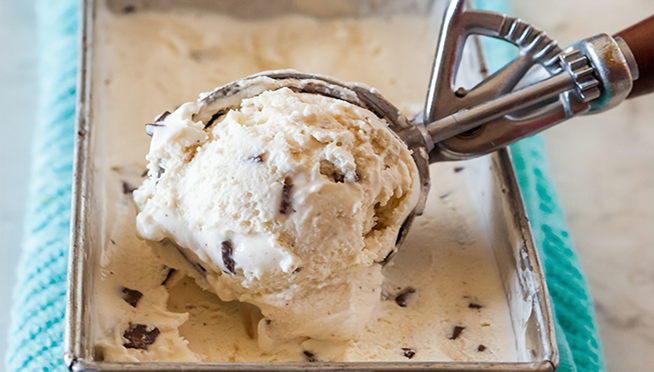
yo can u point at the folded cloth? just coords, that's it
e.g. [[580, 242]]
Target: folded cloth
[[36, 331]]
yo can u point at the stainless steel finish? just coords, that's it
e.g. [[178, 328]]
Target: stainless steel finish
[[498, 194], [611, 66], [488, 111], [534, 45], [578, 69], [600, 71]]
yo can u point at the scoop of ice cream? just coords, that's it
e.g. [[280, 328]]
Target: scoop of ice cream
[[288, 202]]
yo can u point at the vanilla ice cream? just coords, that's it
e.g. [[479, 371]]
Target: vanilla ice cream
[[441, 298], [290, 203]]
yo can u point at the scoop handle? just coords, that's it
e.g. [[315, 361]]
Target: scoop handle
[[640, 39]]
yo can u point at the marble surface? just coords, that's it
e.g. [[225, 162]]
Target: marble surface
[[603, 167]]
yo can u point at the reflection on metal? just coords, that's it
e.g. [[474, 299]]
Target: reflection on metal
[[592, 75]]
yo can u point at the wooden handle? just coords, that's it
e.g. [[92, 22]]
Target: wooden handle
[[640, 39]]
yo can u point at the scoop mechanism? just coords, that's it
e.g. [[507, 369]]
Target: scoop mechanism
[[517, 101]]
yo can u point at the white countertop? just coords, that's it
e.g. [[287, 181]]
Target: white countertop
[[602, 165]]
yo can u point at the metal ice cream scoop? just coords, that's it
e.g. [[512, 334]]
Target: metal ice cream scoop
[[517, 101]]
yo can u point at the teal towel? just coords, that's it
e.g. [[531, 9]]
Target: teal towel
[[36, 332]]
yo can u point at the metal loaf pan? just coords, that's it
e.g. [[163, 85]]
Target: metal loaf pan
[[495, 192]]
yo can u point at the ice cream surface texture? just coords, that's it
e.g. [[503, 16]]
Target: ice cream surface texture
[[290, 203]]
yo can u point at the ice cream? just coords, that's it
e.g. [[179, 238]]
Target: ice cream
[[290, 203], [441, 297]]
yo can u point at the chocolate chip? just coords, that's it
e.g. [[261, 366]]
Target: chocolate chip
[[311, 357], [481, 348], [158, 123], [402, 298], [149, 128], [408, 352], [255, 159], [458, 169], [131, 296], [331, 171], [456, 332], [285, 205], [168, 276], [338, 177], [139, 337], [129, 9], [161, 117], [216, 116], [473, 305], [268, 321], [227, 249], [128, 188]]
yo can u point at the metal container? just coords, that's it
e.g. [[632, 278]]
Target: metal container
[[497, 196]]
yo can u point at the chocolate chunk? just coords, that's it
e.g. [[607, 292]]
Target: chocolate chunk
[[402, 298], [227, 250], [481, 348], [216, 116], [131, 296], [128, 188], [311, 357], [129, 9], [285, 205], [161, 117], [255, 159], [408, 352], [158, 123], [473, 305], [338, 177], [456, 332], [458, 169], [149, 128], [168, 276], [139, 337]]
